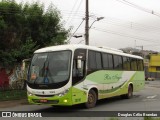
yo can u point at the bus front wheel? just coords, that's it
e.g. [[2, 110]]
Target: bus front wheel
[[92, 99], [129, 94]]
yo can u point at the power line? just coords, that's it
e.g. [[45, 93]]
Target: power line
[[131, 27], [125, 35], [75, 30], [129, 22], [37, 14], [71, 20], [139, 7], [73, 13], [72, 10]]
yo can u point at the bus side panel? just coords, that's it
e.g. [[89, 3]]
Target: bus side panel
[[104, 79], [138, 81], [108, 83], [116, 82], [79, 95]]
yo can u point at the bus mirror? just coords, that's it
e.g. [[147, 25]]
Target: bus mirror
[[79, 64]]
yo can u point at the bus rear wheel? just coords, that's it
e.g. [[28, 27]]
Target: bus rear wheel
[[92, 99]]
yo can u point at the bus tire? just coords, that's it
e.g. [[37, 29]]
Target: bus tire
[[92, 99], [129, 94]]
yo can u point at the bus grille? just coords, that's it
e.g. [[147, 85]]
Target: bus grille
[[44, 95]]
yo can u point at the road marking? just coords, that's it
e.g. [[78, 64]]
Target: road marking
[[151, 97], [152, 87]]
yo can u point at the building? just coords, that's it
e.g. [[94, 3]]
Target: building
[[154, 65]]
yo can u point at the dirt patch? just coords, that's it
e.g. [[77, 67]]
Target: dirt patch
[[12, 103]]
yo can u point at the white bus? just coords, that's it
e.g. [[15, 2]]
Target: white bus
[[66, 75]]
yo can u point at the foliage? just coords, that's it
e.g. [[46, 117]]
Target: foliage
[[26, 27]]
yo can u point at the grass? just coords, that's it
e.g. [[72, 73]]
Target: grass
[[12, 95]]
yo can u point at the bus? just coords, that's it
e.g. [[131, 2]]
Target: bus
[[67, 75]]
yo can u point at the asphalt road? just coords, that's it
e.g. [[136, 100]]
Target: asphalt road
[[144, 100]]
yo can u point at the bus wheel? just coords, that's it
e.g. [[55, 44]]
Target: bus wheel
[[129, 94], [92, 99]]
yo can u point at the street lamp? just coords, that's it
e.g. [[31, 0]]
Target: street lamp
[[77, 36], [87, 38], [98, 19], [87, 30]]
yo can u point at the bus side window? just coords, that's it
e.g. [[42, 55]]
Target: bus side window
[[133, 64], [98, 60], [126, 63], [105, 61], [110, 61], [117, 62], [94, 60], [91, 60], [140, 65]]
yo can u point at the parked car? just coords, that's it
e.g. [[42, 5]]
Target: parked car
[[149, 78]]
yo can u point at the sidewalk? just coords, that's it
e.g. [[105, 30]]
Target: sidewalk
[[5, 104]]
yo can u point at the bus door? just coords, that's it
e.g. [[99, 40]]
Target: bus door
[[78, 75]]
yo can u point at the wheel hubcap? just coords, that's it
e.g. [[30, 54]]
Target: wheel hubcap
[[130, 92], [90, 98]]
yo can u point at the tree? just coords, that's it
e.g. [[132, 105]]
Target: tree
[[26, 27]]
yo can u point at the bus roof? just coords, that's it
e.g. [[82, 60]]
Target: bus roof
[[76, 46]]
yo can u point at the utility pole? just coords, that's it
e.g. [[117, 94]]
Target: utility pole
[[141, 51], [140, 47], [87, 23]]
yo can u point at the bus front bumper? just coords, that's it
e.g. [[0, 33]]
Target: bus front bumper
[[55, 100]]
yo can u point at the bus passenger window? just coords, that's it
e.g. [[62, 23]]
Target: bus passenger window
[[105, 61], [91, 60], [117, 62], [126, 63], [133, 64], [110, 61], [98, 60], [94, 60], [140, 65]]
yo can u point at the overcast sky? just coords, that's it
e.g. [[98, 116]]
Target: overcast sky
[[122, 26]]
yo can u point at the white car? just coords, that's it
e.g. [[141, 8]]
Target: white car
[[150, 79]]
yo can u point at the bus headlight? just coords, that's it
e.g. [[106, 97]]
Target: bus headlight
[[63, 93], [30, 94]]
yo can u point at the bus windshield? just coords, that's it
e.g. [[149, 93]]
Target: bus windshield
[[50, 68]]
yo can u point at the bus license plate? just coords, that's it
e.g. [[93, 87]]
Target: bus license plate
[[43, 101]]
